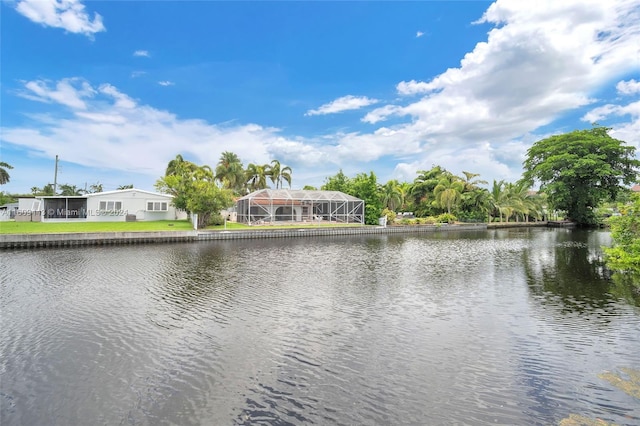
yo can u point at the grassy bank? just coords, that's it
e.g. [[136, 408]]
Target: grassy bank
[[13, 227]]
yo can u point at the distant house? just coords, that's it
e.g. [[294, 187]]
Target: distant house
[[8, 211], [286, 205], [635, 188], [111, 206]]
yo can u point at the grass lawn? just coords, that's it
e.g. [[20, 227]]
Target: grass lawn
[[13, 227]]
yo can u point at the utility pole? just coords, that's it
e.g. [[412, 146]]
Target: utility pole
[[55, 177]]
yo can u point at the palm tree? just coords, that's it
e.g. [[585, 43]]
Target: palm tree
[[96, 187], [256, 176], [498, 198], [4, 174], [172, 166], [230, 172], [392, 196], [470, 185], [423, 186], [448, 192], [277, 173], [479, 200], [70, 190], [130, 186]]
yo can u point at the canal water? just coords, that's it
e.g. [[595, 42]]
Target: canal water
[[481, 327]]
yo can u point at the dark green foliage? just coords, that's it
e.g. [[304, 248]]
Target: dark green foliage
[[4, 174], [580, 169], [194, 189], [625, 231], [363, 186], [339, 182]]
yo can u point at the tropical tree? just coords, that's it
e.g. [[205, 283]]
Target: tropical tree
[[448, 192], [174, 165], [498, 198], [392, 195], [256, 176], [130, 186], [194, 189], [365, 186], [70, 190], [4, 174], [338, 182], [277, 173], [96, 187], [581, 169], [421, 192], [477, 204], [230, 172], [469, 183]]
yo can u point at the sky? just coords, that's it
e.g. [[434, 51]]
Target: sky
[[117, 89]]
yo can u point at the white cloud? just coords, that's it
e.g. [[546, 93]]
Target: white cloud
[[68, 92], [541, 60], [142, 53], [413, 87], [628, 87], [344, 103], [166, 83], [625, 131], [104, 128], [136, 74], [69, 15], [419, 34]]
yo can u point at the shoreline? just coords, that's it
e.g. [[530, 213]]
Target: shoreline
[[26, 241]]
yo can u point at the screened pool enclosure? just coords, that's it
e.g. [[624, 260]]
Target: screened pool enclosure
[[268, 206]]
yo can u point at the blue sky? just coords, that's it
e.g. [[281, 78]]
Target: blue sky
[[117, 89]]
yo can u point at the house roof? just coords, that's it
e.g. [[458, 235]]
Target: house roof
[[298, 194], [124, 191], [116, 192]]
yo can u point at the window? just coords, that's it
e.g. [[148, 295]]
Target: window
[[110, 205], [157, 206]]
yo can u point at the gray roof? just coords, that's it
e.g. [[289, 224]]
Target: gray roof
[[299, 194]]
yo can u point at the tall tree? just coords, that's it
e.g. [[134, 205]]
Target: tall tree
[[70, 190], [581, 169], [392, 196], [96, 187], [121, 187], [421, 192], [448, 192], [338, 182], [230, 172], [194, 189], [256, 176], [365, 186], [277, 173], [4, 174]]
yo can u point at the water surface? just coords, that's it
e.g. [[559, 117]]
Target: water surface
[[481, 327]]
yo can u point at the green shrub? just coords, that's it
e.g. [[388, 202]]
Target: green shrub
[[446, 218], [391, 216], [216, 220]]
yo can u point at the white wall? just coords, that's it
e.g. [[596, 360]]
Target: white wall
[[133, 202]]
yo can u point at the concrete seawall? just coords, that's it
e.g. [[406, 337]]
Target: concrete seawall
[[12, 241], [8, 241]]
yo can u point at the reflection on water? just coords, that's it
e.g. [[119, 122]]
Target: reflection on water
[[505, 326]]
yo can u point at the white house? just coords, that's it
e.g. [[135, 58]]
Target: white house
[[111, 206]]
